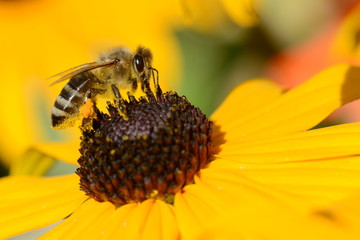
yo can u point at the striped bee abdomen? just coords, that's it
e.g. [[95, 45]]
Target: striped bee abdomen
[[71, 98]]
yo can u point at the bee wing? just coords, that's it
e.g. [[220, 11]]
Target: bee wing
[[77, 70]]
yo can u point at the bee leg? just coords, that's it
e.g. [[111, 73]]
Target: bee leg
[[155, 79], [119, 100], [85, 111], [134, 85], [116, 91], [131, 97], [91, 94], [158, 90], [145, 86]]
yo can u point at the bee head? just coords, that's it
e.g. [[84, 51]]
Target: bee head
[[142, 63], [127, 67]]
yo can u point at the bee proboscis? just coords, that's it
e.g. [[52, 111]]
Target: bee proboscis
[[118, 68]]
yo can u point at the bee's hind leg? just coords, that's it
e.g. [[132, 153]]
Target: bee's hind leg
[[89, 103], [91, 94]]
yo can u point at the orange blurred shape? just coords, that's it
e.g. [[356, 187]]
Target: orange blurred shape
[[298, 63]]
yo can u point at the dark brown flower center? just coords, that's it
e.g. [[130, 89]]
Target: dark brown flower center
[[146, 148]]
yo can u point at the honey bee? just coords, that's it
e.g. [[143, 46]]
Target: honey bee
[[115, 69]]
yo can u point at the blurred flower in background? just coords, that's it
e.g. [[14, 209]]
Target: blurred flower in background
[[336, 41], [238, 40], [313, 51]]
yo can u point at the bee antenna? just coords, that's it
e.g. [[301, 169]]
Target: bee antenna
[[156, 80]]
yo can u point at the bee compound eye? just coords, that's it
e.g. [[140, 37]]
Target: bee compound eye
[[139, 63]]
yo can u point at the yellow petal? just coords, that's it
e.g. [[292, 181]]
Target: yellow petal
[[213, 16], [344, 163], [324, 186], [161, 222], [205, 16], [29, 203], [321, 182], [236, 188], [110, 223], [246, 98], [32, 163], [94, 220], [66, 152], [346, 42], [138, 223], [300, 108], [217, 193], [335, 141], [104, 228], [85, 223], [193, 212], [344, 214], [193, 208], [243, 12], [274, 222], [253, 211]]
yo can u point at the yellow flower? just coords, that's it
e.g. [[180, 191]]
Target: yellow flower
[[343, 213], [267, 173], [287, 224], [345, 45], [40, 38], [214, 16], [242, 12]]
